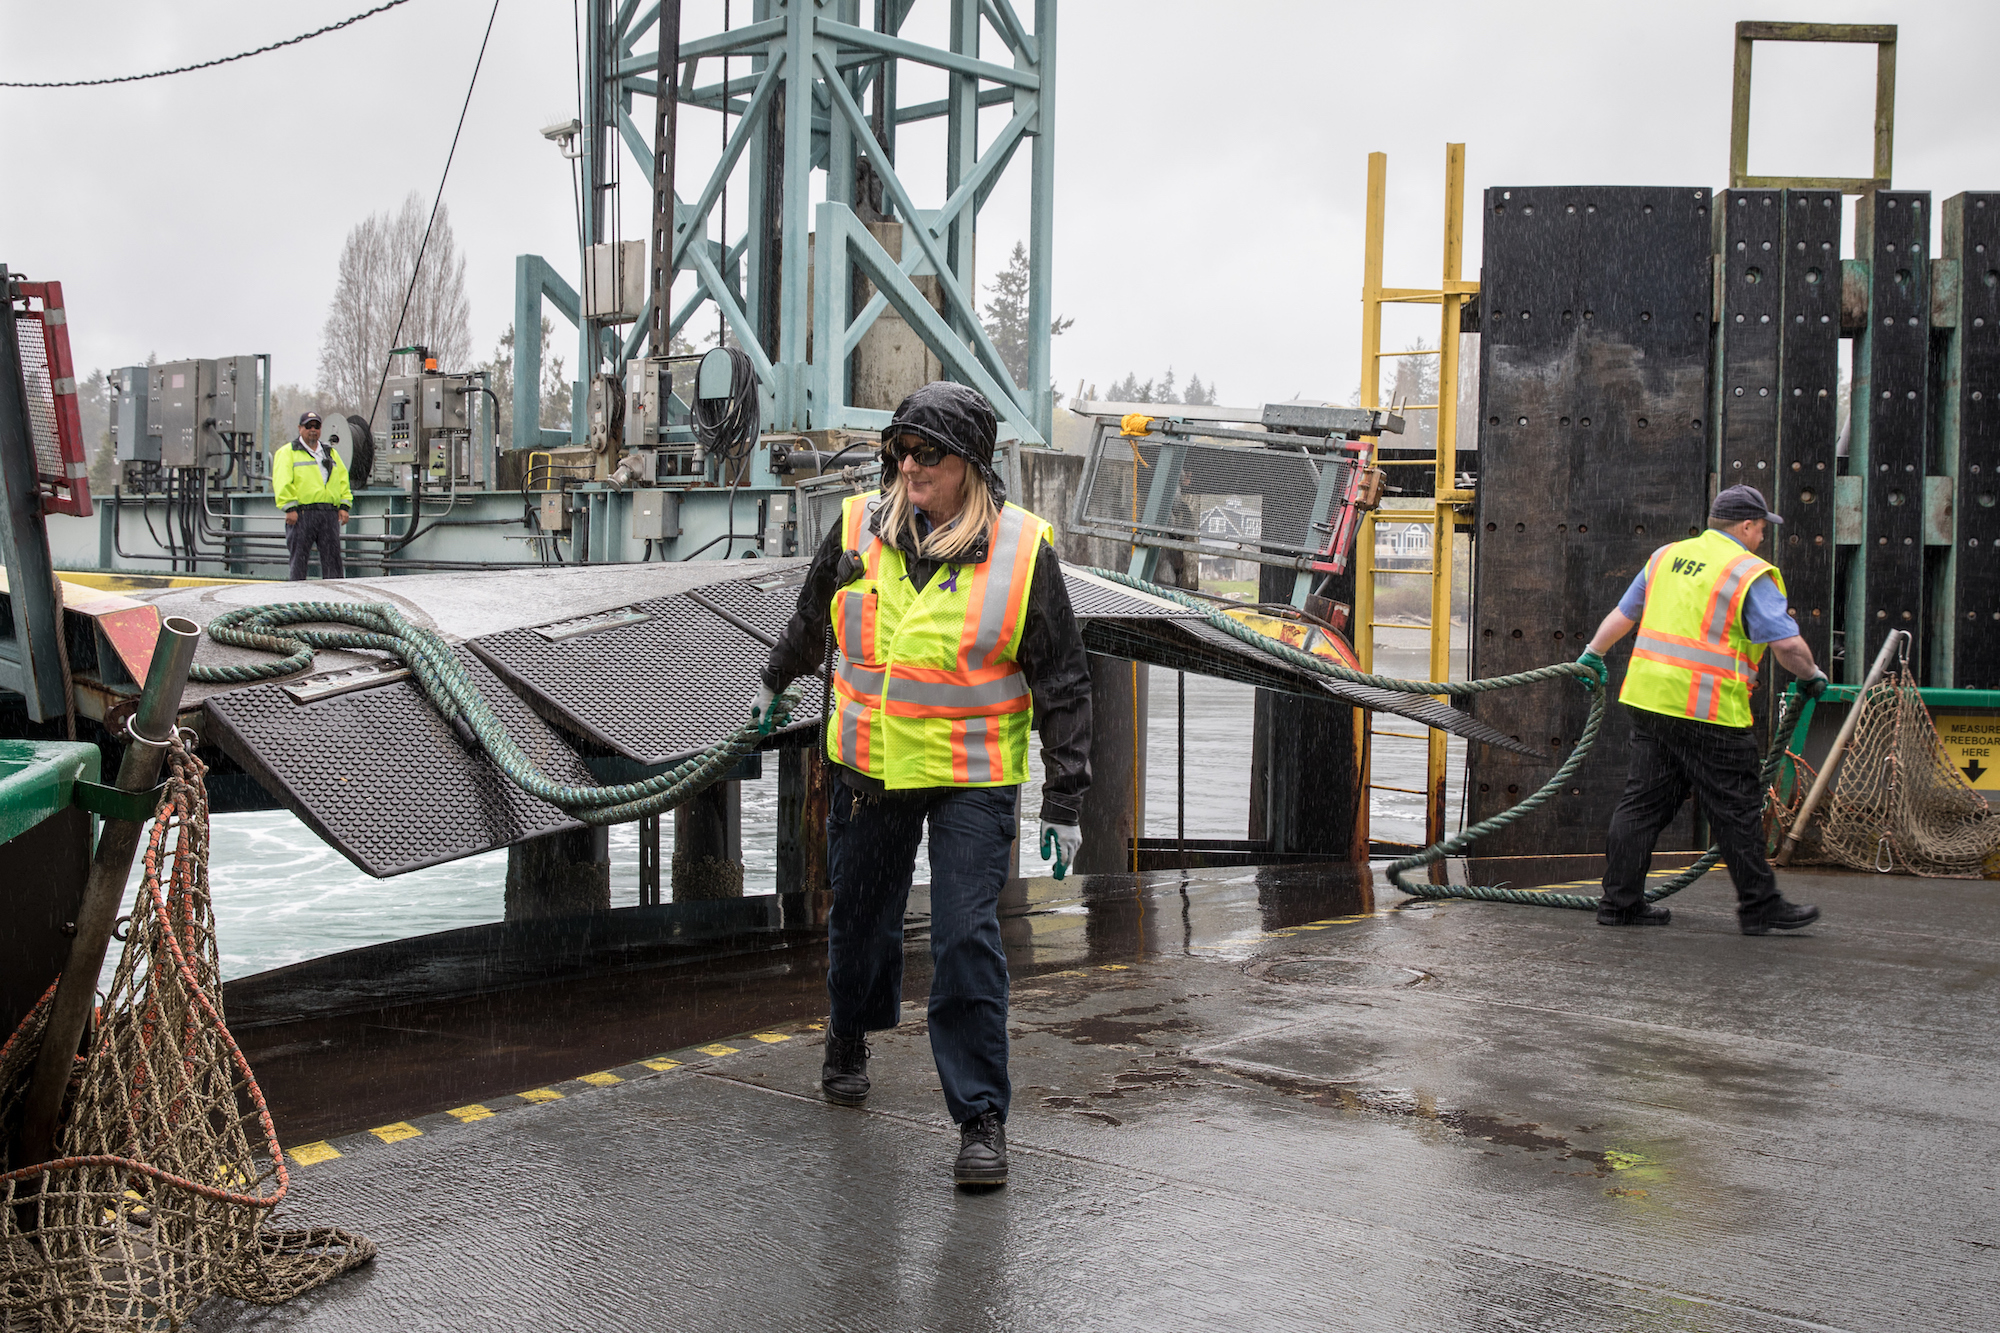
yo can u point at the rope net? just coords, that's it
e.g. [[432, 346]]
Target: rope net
[[1898, 803], [167, 1164]]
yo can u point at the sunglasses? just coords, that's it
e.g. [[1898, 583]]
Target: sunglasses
[[926, 454]]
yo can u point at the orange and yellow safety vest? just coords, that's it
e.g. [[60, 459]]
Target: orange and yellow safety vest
[[928, 693], [1692, 658]]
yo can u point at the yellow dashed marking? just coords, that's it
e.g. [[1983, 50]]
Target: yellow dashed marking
[[717, 1049], [1113, 967], [540, 1095], [468, 1114], [1299, 928], [397, 1132], [662, 1065], [770, 1038], [600, 1080], [307, 1154], [1073, 972]]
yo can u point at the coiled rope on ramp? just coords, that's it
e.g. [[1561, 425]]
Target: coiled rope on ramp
[[452, 691], [1438, 851]]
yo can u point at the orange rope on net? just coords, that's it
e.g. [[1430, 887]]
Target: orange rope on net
[[168, 1164]]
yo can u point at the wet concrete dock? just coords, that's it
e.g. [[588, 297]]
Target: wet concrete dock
[[1255, 1099]]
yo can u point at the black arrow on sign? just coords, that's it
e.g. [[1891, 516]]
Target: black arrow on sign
[[1973, 770]]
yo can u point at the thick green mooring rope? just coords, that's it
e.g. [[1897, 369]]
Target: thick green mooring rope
[[1464, 838], [454, 694]]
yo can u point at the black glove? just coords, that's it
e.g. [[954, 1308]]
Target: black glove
[[1814, 687]]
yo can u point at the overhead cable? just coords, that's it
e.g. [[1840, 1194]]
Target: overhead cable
[[211, 64], [437, 199]]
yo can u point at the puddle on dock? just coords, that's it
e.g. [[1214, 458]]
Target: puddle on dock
[[442, 1020]]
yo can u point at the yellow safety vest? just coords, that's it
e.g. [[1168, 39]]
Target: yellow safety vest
[[1692, 658], [928, 693], [297, 479]]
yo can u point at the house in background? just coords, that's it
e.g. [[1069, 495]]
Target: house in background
[[1401, 545], [1230, 518]]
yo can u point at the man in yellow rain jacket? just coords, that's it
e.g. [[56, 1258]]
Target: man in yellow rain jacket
[[312, 488], [1706, 609]]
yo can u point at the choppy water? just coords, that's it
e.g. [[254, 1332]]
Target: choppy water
[[281, 895]]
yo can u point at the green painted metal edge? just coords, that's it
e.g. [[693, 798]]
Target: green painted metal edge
[[116, 802], [38, 779], [1934, 698]]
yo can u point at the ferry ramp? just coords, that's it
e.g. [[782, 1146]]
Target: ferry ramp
[[1250, 1098]]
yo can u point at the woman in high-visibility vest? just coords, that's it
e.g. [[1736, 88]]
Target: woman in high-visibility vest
[[1706, 609], [955, 636]]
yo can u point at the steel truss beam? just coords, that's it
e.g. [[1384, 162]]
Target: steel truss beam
[[800, 110]]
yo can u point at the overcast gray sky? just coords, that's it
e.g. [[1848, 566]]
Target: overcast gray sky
[[1211, 157]]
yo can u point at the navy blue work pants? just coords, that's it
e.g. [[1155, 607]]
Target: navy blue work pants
[[317, 529], [872, 840], [1671, 757]]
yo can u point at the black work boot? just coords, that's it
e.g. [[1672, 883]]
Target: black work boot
[[1645, 914], [1781, 916], [982, 1151], [843, 1076]]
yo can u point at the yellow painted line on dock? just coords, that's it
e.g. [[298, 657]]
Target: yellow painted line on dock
[[600, 1080], [770, 1038], [1072, 972], [310, 1154], [540, 1095], [662, 1064], [1113, 967], [716, 1049], [468, 1114], [397, 1132], [815, 1027]]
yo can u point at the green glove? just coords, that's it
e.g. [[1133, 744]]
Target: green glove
[[1599, 674], [1815, 687]]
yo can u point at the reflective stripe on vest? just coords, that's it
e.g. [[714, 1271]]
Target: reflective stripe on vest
[[1691, 658], [930, 693]]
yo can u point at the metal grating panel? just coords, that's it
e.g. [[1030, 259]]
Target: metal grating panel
[[1193, 645], [41, 399], [1122, 490], [659, 690], [379, 775], [1091, 598]]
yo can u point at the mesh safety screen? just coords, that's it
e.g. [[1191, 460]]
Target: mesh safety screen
[[1227, 494], [41, 398]]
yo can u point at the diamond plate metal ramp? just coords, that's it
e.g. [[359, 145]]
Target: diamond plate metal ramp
[[382, 778], [661, 686]]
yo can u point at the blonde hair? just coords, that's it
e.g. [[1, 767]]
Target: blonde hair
[[951, 540]]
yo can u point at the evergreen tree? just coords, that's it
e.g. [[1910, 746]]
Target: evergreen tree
[[1006, 319]]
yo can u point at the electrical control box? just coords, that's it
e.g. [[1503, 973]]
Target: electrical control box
[[553, 511], [780, 536], [656, 515], [658, 390], [238, 405], [428, 423], [399, 421], [444, 400], [128, 417], [615, 283], [178, 411]]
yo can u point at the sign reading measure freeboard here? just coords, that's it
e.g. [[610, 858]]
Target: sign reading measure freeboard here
[[1973, 742]]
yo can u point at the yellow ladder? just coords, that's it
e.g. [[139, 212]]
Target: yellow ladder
[[1441, 513]]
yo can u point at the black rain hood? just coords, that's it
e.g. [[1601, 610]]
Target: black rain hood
[[956, 418]]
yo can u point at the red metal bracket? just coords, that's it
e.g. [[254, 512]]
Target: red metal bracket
[[62, 462]]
